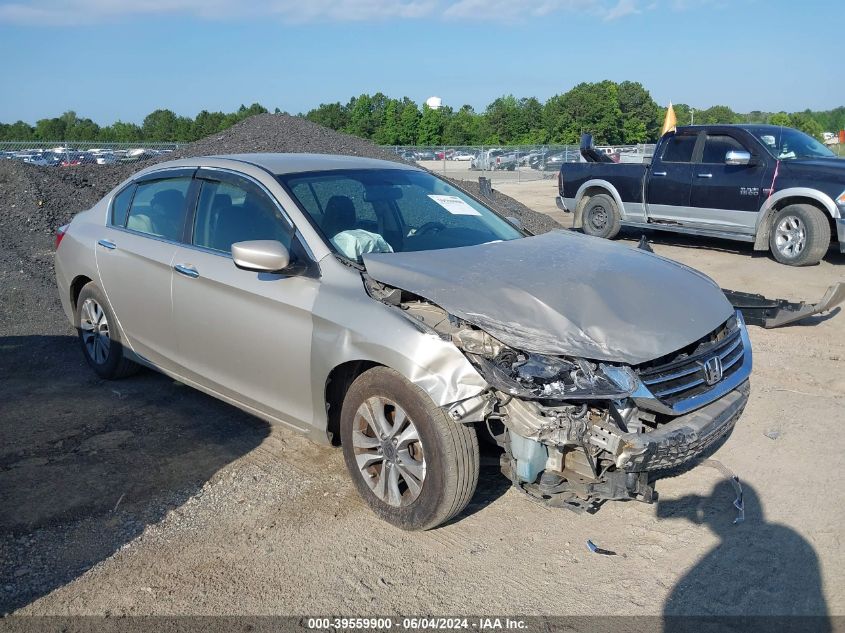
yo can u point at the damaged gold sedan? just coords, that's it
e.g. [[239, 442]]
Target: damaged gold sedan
[[374, 304]]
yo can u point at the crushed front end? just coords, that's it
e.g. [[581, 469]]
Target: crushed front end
[[577, 432]]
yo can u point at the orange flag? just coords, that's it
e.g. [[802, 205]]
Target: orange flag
[[670, 123]]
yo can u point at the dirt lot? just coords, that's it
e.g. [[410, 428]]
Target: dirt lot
[[145, 497]]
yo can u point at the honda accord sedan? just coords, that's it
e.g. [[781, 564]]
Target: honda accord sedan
[[372, 304]]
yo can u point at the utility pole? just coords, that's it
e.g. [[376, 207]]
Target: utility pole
[[692, 116]]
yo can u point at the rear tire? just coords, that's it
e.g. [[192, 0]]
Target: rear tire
[[600, 217], [800, 235], [99, 337], [413, 466]]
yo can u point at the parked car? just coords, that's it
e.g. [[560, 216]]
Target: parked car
[[462, 156], [553, 160], [36, 159], [105, 158], [494, 159], [424, 155], [265, 281], [773, 186]]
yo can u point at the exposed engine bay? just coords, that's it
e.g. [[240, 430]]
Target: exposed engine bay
[[576, 432]]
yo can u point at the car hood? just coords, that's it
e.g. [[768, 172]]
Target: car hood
[[562, 293]]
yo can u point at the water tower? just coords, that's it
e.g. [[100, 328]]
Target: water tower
[[434, 102]]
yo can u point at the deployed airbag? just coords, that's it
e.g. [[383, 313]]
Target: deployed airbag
[[355, 242]]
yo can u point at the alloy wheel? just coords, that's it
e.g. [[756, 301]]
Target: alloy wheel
[[388, 451], [95, 331], [790, 236]]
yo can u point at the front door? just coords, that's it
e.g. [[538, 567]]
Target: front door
[[726, 197], [669, 180], [244, 334], [134, 258]]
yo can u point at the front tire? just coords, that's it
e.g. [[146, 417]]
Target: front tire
[[800, 235], [600, 217], [98, 336], [413, 466]]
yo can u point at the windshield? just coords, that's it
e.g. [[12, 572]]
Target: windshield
[[393, 210], [785, 144]]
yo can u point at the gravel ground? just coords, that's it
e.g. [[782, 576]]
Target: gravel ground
[[143, 496]]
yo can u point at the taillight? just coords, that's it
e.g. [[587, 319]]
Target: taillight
[[560, 182], [60, 233]]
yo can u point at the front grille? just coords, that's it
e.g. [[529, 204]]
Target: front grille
[[683, 376]]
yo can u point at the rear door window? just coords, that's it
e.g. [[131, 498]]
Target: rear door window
[[717, 146], [158, 208], [679, 149], [120, 206]]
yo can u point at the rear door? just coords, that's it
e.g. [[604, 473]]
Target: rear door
[[726, 197], [670, 179], [134, 258], [241, 333]]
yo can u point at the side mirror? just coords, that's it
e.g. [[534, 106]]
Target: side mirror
[[737, 157], [515, 222], [268, 256]]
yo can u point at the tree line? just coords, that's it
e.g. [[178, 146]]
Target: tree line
[[615, 113]]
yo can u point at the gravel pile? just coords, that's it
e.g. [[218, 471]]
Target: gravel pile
[[34, 201], [280, 133]]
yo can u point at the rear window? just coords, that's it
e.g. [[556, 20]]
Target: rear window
[[158, 208], [679, 149], [120, 206]]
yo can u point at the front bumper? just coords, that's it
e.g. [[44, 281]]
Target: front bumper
[[687, 437], [840, 233]]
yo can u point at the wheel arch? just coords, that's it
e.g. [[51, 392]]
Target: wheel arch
[[592, 188], [337, 384], [76, 286], [784, 198]]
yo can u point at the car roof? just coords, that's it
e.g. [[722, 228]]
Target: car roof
[[295, 163], [748, 127]]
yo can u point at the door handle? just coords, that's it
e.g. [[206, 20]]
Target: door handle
[[659, 173], [188, 271], [705, 175], [106, 244]]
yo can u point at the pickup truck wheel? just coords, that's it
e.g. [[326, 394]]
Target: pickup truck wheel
[[413, 466], [600, 217], [98, 336], [800, 235]]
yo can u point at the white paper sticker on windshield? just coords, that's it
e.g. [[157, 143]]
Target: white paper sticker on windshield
[[454, 205]]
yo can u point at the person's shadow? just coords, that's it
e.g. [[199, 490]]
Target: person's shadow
[[760, 574]]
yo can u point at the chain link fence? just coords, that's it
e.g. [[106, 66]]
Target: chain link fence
[[522, 163], [69, 153]]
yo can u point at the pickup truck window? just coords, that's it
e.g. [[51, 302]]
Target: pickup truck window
[[786, 144], [717, 146], [679, 149]]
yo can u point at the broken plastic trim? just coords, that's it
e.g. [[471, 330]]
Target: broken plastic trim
[[739, 502], [772, 313]]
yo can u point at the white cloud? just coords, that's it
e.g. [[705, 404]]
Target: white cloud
[[72, 12], [622, 8]]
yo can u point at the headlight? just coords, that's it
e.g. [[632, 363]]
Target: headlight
[[535, 376], [840, 200]]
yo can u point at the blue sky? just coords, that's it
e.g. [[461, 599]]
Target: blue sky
[[116, 59]]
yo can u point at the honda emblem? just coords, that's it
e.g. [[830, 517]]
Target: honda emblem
[[713, 370]]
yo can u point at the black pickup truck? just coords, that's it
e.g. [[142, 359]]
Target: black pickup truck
[[774, 186]]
